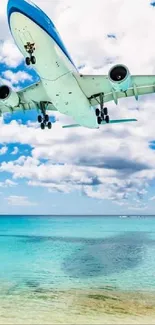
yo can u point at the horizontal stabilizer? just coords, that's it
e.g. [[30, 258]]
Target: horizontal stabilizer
[[103, 122], [70, 126], [120, 121]]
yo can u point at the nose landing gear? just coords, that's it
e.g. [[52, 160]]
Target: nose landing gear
[[44, 119], [102, 113], [30, 48]]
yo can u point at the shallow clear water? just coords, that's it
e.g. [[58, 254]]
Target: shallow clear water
[[76, 252]]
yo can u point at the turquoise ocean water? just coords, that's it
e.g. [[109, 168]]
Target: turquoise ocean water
[[76, 252]]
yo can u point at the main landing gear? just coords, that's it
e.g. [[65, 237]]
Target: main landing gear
[[102, 112], [44, 119], [30, 48]]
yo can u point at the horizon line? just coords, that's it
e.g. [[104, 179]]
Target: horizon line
[[79, 215]]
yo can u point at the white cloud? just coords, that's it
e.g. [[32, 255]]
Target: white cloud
[[8, 183], [9, 54], [3, 150], [91, 45], [16, 77], [15, 151], [110, 168], [8, 83], [16, 200]]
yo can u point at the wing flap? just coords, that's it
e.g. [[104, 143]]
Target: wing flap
[[141, 90]]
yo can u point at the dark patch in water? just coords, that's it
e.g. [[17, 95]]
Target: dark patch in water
[[45, 297], [32, 284], [36, 239], [102, 297], [107, 256], [97, 257], [40, 290], [108, 288], [98, 297]]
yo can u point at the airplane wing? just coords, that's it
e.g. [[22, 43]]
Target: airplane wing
[[93, 85], [27, 99]]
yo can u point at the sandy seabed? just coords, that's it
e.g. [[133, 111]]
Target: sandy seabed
[[104, 306]]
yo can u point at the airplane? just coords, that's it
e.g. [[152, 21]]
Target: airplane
[[61, 86]]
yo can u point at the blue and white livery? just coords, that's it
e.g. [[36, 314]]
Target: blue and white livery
[[61, 87]]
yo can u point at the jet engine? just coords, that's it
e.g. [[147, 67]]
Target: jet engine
[[8, 97], [120, 78]]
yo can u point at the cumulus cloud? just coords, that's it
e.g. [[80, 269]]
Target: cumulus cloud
[[16, 200], [3, 150], [15, 151], [8, 183], [9, 54], [111, 167], [16, 77], [92, 47]]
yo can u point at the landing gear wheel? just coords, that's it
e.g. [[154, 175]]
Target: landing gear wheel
[[28, 61], [105, 111], [102, 115], [107, 119], [49, 125], [42, 125], [99, 119], [33, 59], [39, 118], [46, 118], [97, 111]]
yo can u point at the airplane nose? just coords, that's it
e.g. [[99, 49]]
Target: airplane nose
[[11, 4], [18, 6]]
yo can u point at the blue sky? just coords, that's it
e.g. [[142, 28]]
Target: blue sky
[[81, 171]]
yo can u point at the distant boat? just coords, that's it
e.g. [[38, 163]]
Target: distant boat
[[123, 216]]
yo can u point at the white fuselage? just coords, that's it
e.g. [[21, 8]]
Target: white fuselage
[[57, 73]]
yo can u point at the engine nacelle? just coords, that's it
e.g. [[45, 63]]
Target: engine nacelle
[[120, 78], [8, 97]]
